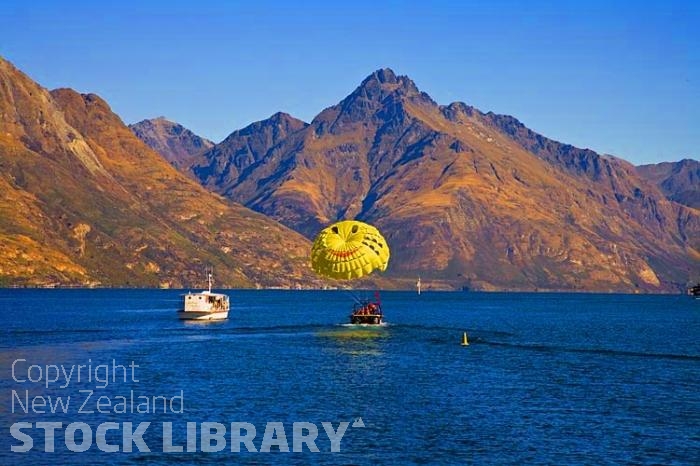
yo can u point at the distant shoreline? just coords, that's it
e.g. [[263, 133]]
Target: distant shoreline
[[404, 290]]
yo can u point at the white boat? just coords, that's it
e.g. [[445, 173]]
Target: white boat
[[205, 305]]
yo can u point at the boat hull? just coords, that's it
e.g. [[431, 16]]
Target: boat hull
[[202, 315], [375, 319]]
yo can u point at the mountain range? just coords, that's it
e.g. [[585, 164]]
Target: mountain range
[[465, 199]]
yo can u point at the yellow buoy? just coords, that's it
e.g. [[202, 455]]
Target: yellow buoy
[[465, 342]]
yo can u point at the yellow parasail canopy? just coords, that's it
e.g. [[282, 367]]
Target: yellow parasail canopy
[[349, 249]]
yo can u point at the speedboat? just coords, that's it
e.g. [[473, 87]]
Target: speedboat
[[367, 313]]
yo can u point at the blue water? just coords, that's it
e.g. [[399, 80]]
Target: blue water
[[546, 379]]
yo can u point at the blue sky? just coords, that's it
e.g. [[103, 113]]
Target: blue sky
[[618, 77]]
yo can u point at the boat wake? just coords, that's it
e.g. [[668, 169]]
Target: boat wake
[[383, 324]]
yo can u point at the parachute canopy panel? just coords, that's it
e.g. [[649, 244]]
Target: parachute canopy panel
[[349, 249]]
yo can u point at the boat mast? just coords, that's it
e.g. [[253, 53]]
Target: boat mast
[[209, 279], [418, 285]]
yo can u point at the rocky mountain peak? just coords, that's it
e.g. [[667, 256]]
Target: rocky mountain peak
[[171, 140], [280, 116], [222, 164], [383, 82], [280, 122], [383, 88], [456, 112], [687, 163], [385, 75], [679, 181], [285, 120]]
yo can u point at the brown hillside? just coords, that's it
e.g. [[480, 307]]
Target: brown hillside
[[85, 202]]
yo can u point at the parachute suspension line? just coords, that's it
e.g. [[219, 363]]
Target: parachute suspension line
[[348, 250], [354, 296]]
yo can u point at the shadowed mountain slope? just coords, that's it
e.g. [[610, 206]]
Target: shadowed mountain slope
[[171, 140], [679, 181]]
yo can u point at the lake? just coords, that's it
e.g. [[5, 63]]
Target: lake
[[546, 379]]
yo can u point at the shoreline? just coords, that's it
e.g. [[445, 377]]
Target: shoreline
[[359, 289]]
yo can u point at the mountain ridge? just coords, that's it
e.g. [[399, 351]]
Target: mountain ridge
[[241, 149], [459, 179]]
